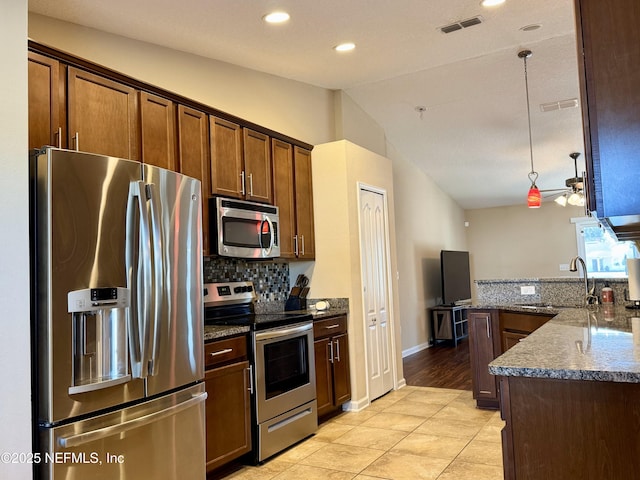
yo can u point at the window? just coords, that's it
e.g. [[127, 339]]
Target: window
[[605, 256]]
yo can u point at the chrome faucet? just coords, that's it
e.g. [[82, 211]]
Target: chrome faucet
[[589, 297]]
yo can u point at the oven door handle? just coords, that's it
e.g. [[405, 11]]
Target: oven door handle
[[285, 332]]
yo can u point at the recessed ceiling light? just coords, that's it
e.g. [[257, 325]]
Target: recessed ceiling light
[[530, 28], [345, 47], [276, 17], [491, 3]]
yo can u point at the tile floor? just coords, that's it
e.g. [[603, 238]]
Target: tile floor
[[413, 433]]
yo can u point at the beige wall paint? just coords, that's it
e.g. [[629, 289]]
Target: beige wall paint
[[519, 242], [338, 167], [293, 108], [15, 379], [427, 221], [355, 125]]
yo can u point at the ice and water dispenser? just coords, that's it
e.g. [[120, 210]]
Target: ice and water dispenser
[[100, 346]]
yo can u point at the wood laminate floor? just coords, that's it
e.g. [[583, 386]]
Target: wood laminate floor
[[441, 366]]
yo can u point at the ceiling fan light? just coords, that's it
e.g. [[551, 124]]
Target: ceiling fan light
[[561, 200], [534, 199], [576, 199]]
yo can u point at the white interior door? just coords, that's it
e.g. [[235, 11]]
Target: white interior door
[[373, 237]]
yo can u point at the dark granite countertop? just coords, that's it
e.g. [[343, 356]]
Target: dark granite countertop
[[600, 342], [216, 332]]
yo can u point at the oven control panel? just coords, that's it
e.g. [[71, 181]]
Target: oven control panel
[[228, 293]]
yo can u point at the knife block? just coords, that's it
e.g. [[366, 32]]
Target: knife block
[[295, 302]]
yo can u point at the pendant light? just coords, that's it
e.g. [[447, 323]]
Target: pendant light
[[534, 199]]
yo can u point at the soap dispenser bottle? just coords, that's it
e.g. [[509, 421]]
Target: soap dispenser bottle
[[606, 294]]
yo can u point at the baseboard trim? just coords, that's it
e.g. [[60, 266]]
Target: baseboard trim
[[356, 406], [416, 349]]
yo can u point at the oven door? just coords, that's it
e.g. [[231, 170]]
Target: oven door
[[285, 372]]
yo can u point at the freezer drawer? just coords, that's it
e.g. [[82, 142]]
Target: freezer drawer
[[161, 439]]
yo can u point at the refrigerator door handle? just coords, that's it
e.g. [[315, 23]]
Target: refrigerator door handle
[[100, 433], [139, 278], [157, 264]]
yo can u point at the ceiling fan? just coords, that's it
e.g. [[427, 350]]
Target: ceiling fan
[[573, 193]]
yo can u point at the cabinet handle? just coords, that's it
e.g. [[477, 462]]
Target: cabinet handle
[[251, 184], [488, 327], [337, 351], [302, 244], [58, 135], [221, 352], [242, 189], [295, 245], [250, 371], [76, 139], [330, 327], [486, 392], [331, 352]]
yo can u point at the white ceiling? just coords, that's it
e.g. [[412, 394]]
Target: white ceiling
[[473, 137]]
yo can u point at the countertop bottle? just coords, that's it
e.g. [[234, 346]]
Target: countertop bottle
[[606, 294]]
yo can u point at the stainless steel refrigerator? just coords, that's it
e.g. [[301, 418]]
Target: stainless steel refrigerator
[[117, 319]]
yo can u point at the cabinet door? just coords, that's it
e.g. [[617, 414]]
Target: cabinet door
[[103, 115], [341, 378], [483, 348], [324, 387], [257, 166], [226, 158], [609, 60], [509, 339], [158, 125], [283, 194], [228, 413], [304, 203], [45, 113], [193, 157]]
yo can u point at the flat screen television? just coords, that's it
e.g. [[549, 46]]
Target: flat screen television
[[456, 279]]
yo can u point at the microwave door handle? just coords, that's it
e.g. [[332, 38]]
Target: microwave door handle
[[272, 235], [157, 264]]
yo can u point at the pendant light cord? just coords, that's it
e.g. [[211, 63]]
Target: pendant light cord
[[524, 54]]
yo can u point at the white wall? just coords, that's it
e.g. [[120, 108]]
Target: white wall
[[427, 221], [292, 108], [355, 125], [520, 242], [15, 379]]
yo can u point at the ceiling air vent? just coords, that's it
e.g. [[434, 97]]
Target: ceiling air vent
[[469, 22], [559, 105]]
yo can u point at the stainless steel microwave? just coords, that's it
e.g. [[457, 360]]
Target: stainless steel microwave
[[243, 229]]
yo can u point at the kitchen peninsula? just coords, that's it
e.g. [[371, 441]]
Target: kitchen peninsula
[[570, 397]]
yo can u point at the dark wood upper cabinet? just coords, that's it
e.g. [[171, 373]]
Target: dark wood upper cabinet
[[158, 131], [46, 107], [102, 115], [193, 157], [609, 63], [240, 162], [293, 195], [304, 203], [284, 196], [226, 158]]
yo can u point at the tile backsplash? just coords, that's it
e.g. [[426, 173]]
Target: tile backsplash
[[270, 279]]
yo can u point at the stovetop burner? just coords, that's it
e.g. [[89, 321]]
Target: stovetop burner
[[231, 303]]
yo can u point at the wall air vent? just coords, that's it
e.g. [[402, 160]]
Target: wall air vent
[[559, 105], [469, 22]]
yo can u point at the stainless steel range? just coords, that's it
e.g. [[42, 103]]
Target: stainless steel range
[[284, 399]]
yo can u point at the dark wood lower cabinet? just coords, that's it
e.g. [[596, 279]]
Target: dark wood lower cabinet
[[484, 346], [570, 429], [228, 407], [331, 348]]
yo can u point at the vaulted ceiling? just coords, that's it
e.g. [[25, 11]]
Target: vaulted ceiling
[[453, 104]]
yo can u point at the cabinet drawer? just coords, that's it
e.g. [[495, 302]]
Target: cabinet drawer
[[330, 326], [224, 351]]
